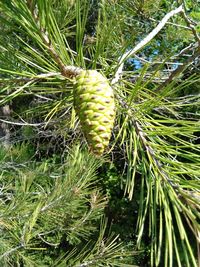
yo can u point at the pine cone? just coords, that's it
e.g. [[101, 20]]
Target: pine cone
[[95, 107]]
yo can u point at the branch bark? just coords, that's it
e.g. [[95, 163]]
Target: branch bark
[[145, 41], [179, 70], [190, 23], [67, 71], [147, 148]]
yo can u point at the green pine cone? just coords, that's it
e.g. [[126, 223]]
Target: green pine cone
[[95, 107]]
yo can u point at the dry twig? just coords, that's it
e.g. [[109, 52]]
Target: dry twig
[[145, 41], [179, 70]]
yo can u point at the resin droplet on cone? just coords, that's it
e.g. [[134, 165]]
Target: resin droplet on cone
[[95, 107]]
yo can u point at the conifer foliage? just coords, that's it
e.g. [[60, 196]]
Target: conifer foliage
[[56, 202], [52, 214]]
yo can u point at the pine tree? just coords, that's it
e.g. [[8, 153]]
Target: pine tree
[[52, 203]]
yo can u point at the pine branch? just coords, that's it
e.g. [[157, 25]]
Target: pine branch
[[186, 50], [191, 59], [189, 22], [179, 70], [151, 152], [146, 146], [48, 243], [145, 41], [67, 71], [24, 124], [7, 253], [173, 24], [34, 78]]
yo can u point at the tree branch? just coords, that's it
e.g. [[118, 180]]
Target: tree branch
[[6, 254], [185, 50], [147, 148], [67, 71], [23, 124], [174, 24], [189, 23], [145, 41], [150, 151], [179, 70]]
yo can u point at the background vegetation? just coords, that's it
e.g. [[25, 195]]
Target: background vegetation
[[138, 205]]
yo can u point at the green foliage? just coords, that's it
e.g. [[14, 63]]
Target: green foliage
[[53, 208], [51, 214], [166, 155]]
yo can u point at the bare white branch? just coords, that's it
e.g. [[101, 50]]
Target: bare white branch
[[180, 69], [145, 41], [24, 124], [174, 24], [46, 75], [157, 62], [7, 253]]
